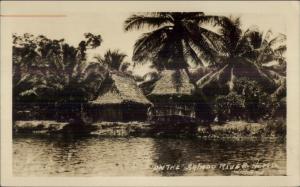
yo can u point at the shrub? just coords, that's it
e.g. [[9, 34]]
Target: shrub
[[258, 104], [249, 101], [279, 108], [276, 127], [229, 107]]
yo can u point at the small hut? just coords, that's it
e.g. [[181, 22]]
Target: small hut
[[120, 99], [173, 98]]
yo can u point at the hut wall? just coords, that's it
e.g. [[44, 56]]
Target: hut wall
[[106, 113], [122, 113], [173, 112], [133, 112]]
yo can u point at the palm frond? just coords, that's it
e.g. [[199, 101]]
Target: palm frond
[[215, 39], [281, 38], [202, 47], [209, 19], [231, 33], [255, 37], [148, 44], [190, 52], [124, 66], [280, 50], [111, 59], [151, 21], [163, 56], [212, 76]]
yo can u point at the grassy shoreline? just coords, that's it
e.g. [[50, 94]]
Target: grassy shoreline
[[270, 129]]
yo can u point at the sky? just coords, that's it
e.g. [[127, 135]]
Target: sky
[[108, 23]]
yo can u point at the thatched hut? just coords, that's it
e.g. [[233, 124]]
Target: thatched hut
[[173, 98], [120, 99]]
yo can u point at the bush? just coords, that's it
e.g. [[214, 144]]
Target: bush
[[276, 127], [279, 108], [258, 104], [248, 101], [229, 107]]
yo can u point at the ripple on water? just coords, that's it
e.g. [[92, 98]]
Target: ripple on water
[[92, 156]]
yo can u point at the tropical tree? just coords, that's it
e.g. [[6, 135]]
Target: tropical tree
[[53, 72], [270, 57], [178, 39], [30, 66], [242, 55], [113, 60]]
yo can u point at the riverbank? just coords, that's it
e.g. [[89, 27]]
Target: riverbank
[[39, 126], [270, 128], [119, 129], [232, 129]]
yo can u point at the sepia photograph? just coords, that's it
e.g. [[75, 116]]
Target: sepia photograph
[[131, 92]]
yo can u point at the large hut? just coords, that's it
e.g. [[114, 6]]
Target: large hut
[[173, 98], [120, 99]]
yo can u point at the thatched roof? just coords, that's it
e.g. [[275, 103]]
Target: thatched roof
[[173, 82], [118, 89]]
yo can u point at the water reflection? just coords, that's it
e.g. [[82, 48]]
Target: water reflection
[[93, 156], [199, 157]]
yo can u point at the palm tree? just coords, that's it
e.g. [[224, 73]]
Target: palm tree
[[52, 72], [270, 57], [269, 54], [241, 55], [113, 60], [178, 39]]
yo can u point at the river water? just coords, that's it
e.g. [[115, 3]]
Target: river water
[[95, 156]]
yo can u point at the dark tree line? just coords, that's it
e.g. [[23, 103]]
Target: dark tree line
[[52, 79], [225, 56], [236, 69]]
